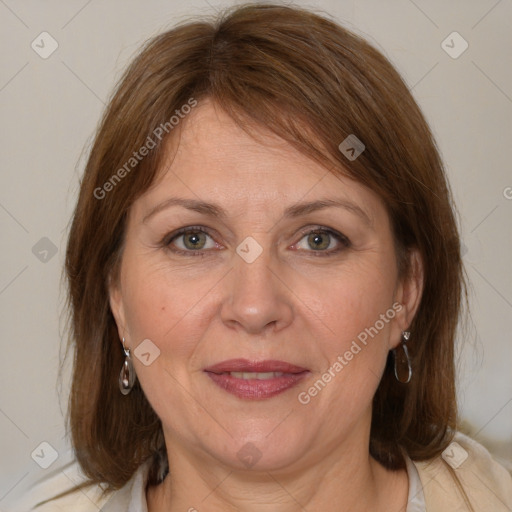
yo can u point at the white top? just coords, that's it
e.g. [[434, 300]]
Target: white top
[[416, 498], [132, 497]]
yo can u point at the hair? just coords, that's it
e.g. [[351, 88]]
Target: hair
[[313, 83]]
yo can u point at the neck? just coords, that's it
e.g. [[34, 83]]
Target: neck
[[339, 479]]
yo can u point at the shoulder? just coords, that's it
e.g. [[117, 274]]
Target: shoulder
[[468, 465], [58, 492]]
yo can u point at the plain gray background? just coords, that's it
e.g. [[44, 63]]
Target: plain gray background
[[50, 109]]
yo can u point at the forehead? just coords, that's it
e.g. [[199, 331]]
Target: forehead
[[212, 140], [211, 157]]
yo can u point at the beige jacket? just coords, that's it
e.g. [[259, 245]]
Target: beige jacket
[[487, 484]]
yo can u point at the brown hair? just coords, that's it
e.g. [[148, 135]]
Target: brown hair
[[313, 83]]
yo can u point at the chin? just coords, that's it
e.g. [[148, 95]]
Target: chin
[[265, 452]]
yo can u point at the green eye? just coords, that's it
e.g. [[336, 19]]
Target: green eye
[[189, 240], [194, 240], [323, 241], [319, 241]]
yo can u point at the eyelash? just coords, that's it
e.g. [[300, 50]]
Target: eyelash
[[168, 239]]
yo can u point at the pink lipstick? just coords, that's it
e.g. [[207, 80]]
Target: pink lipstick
[[255, 380]]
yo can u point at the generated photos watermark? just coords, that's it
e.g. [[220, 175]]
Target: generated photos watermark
[[343, 360], [145, 149]]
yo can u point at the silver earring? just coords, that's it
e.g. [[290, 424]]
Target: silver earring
[[403, 369], [127, 375]]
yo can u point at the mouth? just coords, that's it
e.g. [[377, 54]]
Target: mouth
[[255, 380]]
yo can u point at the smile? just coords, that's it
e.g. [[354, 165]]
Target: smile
[[255, 380]]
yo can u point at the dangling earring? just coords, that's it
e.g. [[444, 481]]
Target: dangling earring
[[403, 369], [127, 375]]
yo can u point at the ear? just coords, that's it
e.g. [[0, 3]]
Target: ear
[[117, 306], [408, 294]]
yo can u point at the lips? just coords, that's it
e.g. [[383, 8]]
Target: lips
[[243, 365], [255, 380]]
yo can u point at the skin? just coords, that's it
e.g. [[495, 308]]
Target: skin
[[290, 304]]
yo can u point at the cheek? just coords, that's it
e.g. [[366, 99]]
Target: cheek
[[353, 316], [352, 300], [164, 307]]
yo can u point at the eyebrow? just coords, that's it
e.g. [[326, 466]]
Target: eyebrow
[[203, 207], [304, 208], [293, 211]]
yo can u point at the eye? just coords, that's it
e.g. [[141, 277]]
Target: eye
[[188, 240], [323, 240]]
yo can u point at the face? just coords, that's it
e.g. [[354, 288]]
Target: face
[[268, 290]]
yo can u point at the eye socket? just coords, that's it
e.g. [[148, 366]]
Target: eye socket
[[323, 241]]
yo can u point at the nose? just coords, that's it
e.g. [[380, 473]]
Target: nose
[[256, 299]]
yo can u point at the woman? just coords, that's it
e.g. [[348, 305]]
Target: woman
[[264, 284]]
